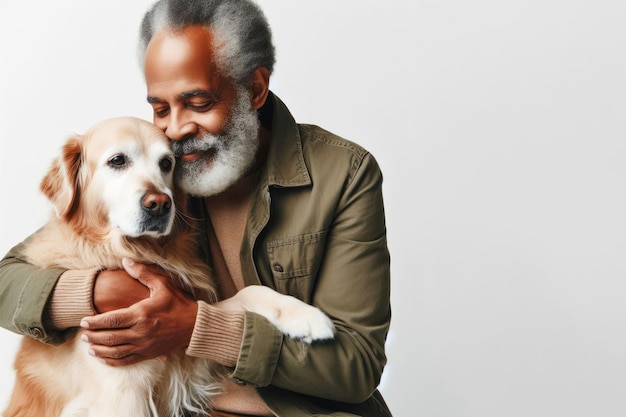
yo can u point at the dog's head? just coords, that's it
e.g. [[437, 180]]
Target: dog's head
[[117, 178]]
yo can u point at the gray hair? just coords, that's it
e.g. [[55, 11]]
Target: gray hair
[[239, 27]]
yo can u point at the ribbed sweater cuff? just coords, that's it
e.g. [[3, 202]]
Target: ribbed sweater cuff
[[216, 335], [72, 298]]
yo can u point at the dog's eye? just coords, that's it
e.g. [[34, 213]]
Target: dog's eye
[[166, 164], [117, 161]]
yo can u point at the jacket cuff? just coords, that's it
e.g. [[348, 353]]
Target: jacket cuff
[[260, 350], [217, 335], [72, 298]]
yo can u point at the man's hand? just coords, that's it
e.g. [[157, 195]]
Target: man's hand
[[150, 328], [115, 289]]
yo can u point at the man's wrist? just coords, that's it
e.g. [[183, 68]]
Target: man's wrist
[[217, 334], [72, 298]]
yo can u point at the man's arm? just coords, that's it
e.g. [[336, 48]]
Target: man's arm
[[43, 303], [24, 294]]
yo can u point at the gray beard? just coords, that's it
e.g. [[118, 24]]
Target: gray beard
[[232, 152]]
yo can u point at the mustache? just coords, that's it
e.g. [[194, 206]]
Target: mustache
[[192, 144]]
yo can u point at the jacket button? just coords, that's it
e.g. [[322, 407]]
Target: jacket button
[[278, 268], [35, 332]]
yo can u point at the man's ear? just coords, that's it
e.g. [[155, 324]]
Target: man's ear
[[259, 87]]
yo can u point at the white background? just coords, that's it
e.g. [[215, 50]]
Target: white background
[[500, 127]]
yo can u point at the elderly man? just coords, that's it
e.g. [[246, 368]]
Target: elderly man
[[286, 205]]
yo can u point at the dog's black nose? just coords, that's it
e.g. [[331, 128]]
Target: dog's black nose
[[156, 203]]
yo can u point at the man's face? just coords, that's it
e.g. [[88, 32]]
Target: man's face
[[211, 123]]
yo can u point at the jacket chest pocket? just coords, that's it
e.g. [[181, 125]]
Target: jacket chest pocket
[[295, 262]]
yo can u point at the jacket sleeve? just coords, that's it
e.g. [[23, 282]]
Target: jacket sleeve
[[353, 288], [24, 293]]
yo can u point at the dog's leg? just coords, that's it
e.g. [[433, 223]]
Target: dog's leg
[[41, 387], [291, 316]]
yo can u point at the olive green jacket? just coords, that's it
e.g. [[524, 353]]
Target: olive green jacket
[[316, 231]]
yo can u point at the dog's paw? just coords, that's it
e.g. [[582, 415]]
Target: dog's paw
[[290, 315], [299, 320]]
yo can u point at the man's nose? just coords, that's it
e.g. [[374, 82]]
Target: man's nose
[[179, 128]]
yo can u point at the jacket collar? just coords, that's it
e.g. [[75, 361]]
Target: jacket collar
[[285, 161]]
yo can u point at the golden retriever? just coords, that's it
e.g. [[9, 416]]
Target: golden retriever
[[113, 194]]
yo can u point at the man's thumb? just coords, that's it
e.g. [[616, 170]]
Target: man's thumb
[[132, 267], [142, 273]]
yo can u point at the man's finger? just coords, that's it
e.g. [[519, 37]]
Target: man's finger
[[112, 352], [124, 361], [146, 274], [110, 338], [121, 355], [116, 319]]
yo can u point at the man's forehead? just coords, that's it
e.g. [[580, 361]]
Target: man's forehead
[[181, 61]]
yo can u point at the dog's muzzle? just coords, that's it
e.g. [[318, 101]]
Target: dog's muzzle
[[157, 212]]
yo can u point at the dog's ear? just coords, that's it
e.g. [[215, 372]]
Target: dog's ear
[[61, 184]]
